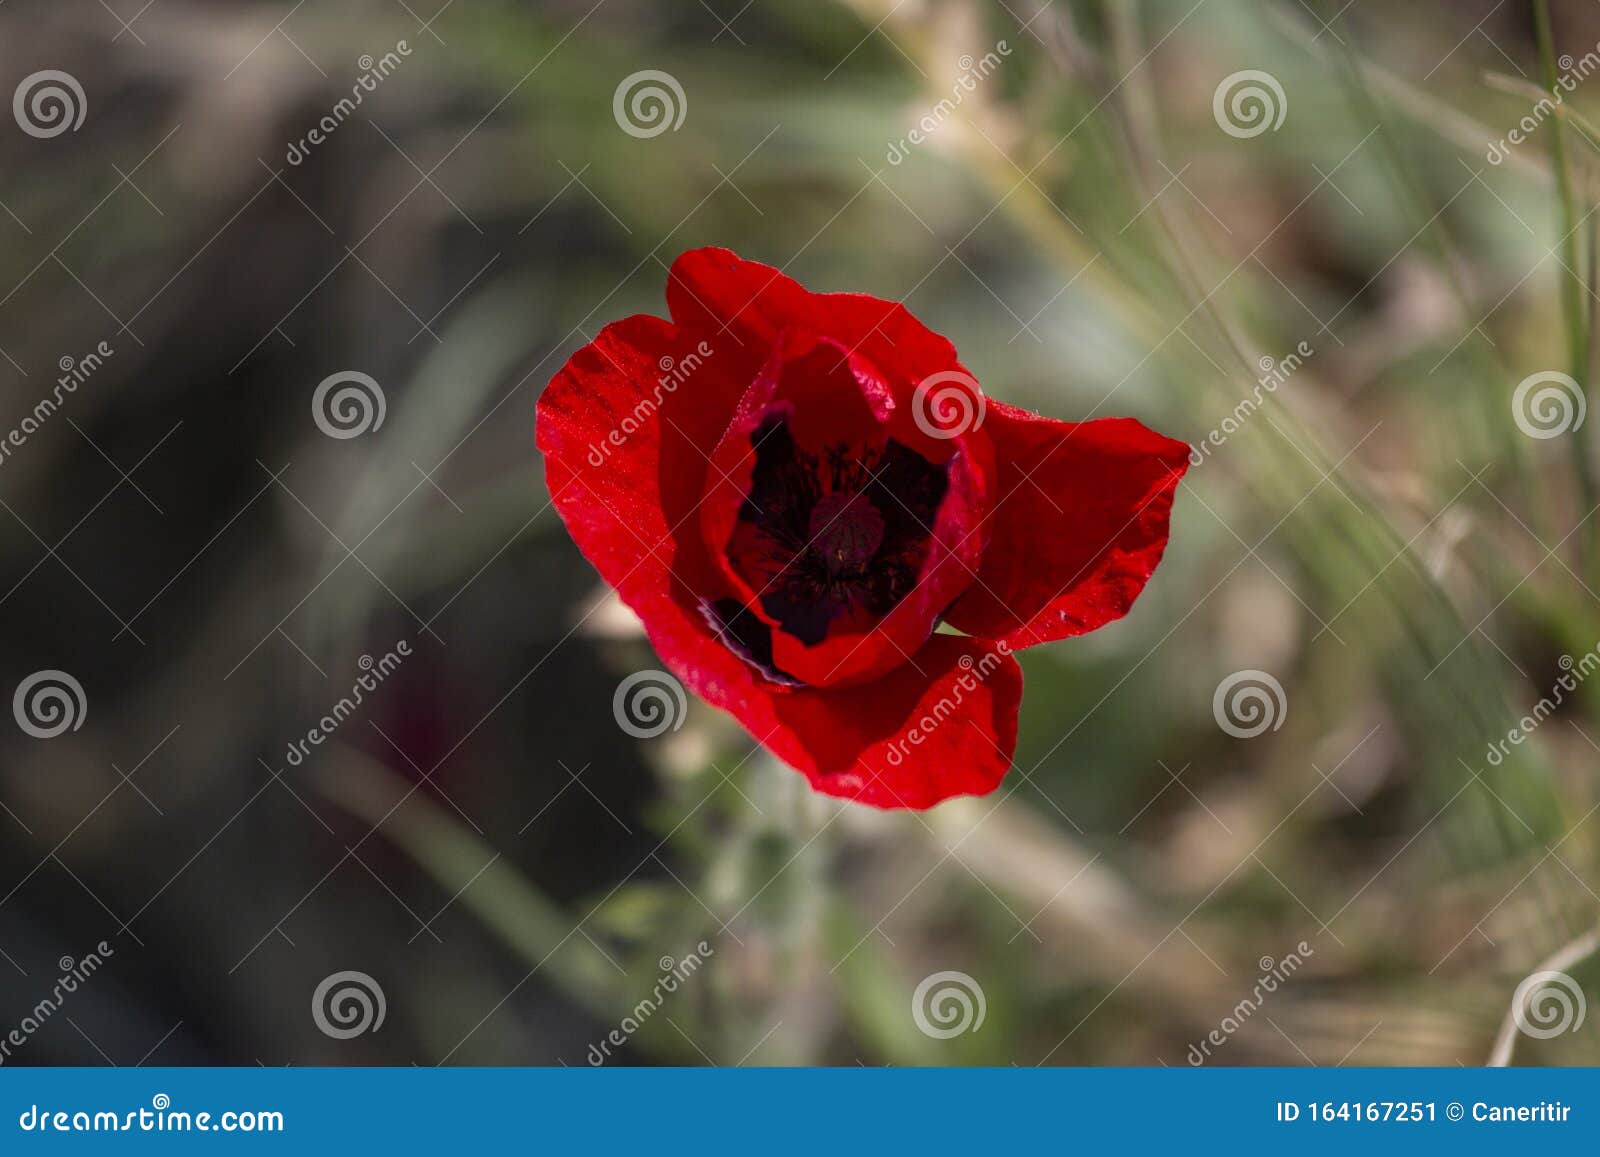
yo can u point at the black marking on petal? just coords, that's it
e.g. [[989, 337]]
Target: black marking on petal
[[843, 531], [746, 636]]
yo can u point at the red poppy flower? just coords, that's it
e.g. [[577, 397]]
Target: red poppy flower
[[793, 490]]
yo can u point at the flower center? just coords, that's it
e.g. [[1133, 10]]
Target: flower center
[[846, 531], [831, 536]]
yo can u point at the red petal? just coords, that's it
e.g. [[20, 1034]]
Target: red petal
[[837, 395], [619, 502], [1078, 525], [622, 435], [630, 507], [942, 725], [718, 291]]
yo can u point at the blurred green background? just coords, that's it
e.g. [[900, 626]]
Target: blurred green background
[[1096, 233]]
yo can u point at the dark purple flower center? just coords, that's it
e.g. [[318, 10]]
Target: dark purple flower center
[[846, 531], [836, 533]]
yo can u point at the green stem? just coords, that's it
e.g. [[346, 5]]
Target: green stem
[[1572, 286]]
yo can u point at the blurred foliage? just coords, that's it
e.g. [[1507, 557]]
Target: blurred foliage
[[1379, 534]]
